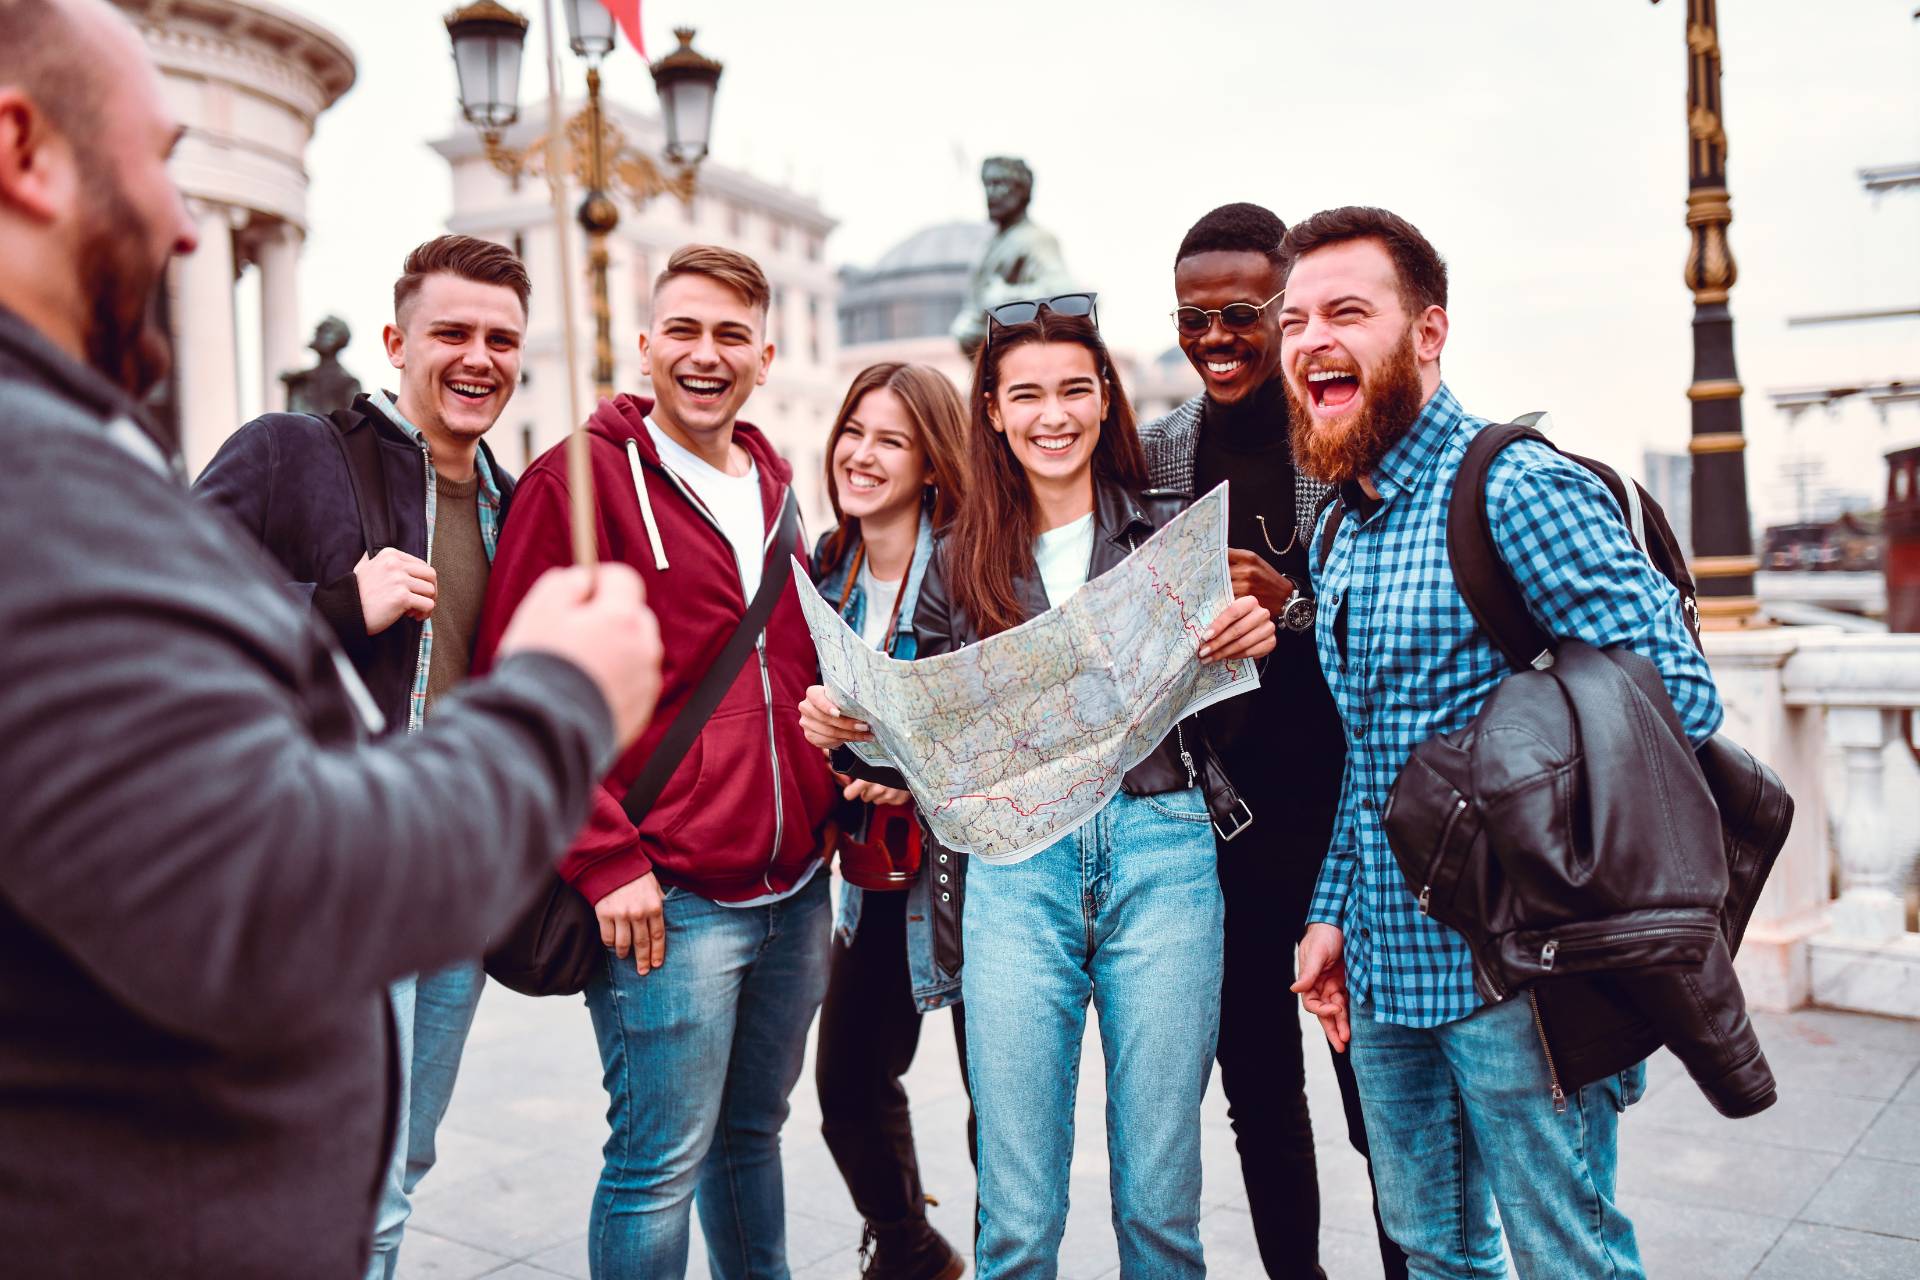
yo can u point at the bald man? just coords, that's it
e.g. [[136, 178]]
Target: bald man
[[209, 871]]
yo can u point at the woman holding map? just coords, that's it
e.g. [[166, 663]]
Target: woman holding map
[[1122, 911], [896, 465]]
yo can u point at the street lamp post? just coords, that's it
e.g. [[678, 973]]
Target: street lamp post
[[1723, 559], [487, 41]]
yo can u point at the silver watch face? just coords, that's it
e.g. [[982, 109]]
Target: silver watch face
[[1298, 615]]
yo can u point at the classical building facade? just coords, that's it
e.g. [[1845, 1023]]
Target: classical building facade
[[784, 231], [248, 81]]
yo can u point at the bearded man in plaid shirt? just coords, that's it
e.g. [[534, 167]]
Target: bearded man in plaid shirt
[[1458, 1096]]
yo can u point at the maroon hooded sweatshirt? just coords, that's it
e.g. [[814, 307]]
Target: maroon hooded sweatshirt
[[742, 815]]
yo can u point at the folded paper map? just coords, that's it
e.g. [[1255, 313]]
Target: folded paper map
[[1012, 743]]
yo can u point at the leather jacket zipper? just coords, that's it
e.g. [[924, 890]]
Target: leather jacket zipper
[[1613, 938], [1553, 1072], [1440, 850], [1186, 756]]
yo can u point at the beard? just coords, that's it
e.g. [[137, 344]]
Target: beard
[[1347, 448], [123, 344]]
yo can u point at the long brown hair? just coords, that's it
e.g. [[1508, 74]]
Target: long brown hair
[[940, 425], [992, 540]]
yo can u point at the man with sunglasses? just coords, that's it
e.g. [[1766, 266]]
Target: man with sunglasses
[[1282, 745]]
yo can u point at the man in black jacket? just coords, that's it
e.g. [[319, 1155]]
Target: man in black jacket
[[1283, 746], [208, 875], [406, 613]]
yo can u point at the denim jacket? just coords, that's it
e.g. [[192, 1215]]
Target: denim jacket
[[933, 987]]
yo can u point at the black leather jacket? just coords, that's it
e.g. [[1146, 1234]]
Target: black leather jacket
[[1121, 521], [1570, 836]]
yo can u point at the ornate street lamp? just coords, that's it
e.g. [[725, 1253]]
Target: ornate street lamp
[[595, 151], [1723, 559], [487, 42]]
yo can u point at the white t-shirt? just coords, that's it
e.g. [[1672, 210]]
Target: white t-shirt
[[1064, 556], [880, 595], [733, 500]]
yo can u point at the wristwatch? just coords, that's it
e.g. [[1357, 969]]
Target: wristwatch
[[1299, 610]]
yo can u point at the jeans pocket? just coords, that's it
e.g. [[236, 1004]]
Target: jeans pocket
[[1632, 1085], [1182, 806]]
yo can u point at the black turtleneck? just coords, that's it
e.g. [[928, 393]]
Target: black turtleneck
[[1288, 732]]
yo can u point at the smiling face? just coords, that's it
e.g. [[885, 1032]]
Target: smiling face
[[1233, 363], [879, 463], [705, 354], [456, 343], [1048, 401], [1358, 366]]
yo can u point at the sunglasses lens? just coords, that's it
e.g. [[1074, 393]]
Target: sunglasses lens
[[1071, 304], [1015, 312], [1191, 320], [1239, 315]]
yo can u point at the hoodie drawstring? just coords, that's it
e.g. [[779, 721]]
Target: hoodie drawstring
[[646, 505]]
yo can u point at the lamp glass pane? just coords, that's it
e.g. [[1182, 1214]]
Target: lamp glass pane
[[473, 64], [506, 80], [687, 104], [589, 28]]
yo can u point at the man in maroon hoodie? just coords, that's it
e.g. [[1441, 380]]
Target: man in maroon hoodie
[[714, 908]]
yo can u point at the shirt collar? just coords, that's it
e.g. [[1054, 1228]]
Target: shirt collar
[[389, 405], [1414, 453]]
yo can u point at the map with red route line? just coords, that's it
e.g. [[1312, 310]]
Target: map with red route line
[[1012, 743]]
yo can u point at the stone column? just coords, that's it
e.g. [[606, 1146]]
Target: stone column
[[1750, 669], [204, 333], [280, 346]]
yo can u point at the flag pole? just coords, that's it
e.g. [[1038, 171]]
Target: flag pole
[[579, 459]]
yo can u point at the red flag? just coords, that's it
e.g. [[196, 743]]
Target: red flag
[[627, 13]]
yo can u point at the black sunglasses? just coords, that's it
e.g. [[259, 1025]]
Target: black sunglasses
[[1064, 304], [1236, 317]]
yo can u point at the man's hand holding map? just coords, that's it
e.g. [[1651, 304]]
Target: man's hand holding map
[[1012, 743]]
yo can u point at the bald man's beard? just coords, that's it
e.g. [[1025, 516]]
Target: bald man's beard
[[1350, 447], [123, 344]]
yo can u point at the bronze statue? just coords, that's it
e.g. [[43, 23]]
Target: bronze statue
[[327, 386], [1021, 261]]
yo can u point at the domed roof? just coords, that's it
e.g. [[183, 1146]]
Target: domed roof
[[945, 246]]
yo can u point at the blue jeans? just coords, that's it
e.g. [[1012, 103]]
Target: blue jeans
[[699, 1057], [1460, 1118], [1124, 912], [432, 1015]]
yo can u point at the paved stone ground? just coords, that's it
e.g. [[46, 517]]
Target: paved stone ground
[[1825, 1184]]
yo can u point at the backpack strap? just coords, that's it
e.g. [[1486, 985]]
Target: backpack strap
[[674, 744], [1491, 594], [1338, 507], [359, 443]]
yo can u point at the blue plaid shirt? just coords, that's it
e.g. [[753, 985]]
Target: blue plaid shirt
[[1406, 661]]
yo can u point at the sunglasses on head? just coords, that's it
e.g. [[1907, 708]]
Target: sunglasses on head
[[1236, 317], [1064, 304]]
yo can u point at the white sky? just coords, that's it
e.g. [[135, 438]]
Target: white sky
[[1541, 147]]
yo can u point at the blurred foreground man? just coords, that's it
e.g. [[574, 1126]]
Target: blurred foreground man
[[208, 873], [402, 594]]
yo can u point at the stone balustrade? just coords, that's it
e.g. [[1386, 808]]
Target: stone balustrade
[[1834, 715]]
